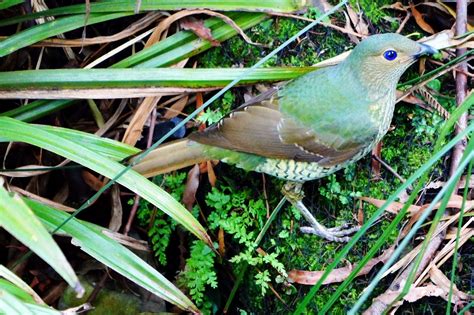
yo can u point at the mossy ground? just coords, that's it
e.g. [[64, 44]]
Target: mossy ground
[[333, 199]]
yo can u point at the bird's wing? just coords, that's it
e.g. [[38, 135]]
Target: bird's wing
[[260, 128]]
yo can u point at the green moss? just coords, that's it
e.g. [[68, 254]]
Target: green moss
[[372, 9], [106, 302]]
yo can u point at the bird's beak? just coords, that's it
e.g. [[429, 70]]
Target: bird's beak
[[425, 50]]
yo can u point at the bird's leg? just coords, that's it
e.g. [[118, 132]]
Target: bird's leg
[[293, 192]]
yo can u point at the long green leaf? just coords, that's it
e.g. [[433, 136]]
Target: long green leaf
[[19, 283], [141, 78], [52, 28], [4, 4], [284, 6], [18, 219], [12, 304], [37, 109], [16, 291], [14, 130], [92, 240], [109, 148], [185, 44], [41, 108]]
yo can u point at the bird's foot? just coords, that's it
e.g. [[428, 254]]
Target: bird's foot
[[293, 192], [336, 234]]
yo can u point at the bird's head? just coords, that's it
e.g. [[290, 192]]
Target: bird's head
[[383, 58]]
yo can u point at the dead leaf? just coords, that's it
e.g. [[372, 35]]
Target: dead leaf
[[394, 207], [376, 151], [446, 9], [420, 292], [395, 6], [420, 21], [360, 25], [135, 127], [433, 103], [440, 279], [446, 39], [91, 180], [360, 214], [337, 275], [127, 240], [40, 199], [198, 28], [221, 241], [350, 30], [177, 108], [29, 172], [116, 209], [462, 183], [192, 184], [211, 175]]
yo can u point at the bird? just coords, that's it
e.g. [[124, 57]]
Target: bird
[[306, 129]]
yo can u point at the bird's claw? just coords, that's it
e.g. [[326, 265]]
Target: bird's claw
[[336, 234]]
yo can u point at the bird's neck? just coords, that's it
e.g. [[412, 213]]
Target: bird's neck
[[379, 90], [376, 82]]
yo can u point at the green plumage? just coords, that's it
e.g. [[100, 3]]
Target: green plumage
[[313, 125]]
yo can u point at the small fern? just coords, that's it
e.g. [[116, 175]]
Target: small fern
[[199, 273]]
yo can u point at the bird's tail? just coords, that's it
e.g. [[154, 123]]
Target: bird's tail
[[169, 157]]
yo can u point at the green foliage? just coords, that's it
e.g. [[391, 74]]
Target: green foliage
[[242, 217], [199, 274], [160, 226], [223, 105], [262, 279], [372, 9]]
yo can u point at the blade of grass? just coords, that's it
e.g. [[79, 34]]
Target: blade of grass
[[20, 284], [280, 6], [448, 191], [41, 108], [5, 4], [141, 78], [186, 44], [37, 109], [458, 235], [92, 240], [42, 31], [15, 290], [12, 304], [21, 223], [109, 148], [18, 131]]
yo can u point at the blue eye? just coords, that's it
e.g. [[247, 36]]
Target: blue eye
[[390, 55]]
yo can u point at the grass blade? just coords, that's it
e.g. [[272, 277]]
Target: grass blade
[[14, 130], [20, 221], [92, 240], [282, 6], [52, 28], [5, 4]]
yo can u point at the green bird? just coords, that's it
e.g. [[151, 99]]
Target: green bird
[[307, 129]]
